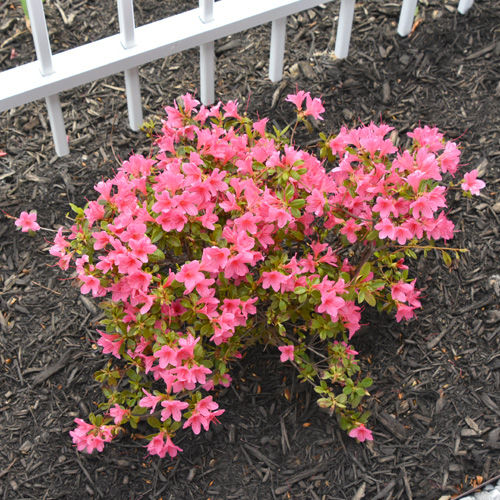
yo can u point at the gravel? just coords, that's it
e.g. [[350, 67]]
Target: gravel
[[489, 492]]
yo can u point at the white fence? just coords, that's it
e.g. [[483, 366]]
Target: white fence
[[132, 47]]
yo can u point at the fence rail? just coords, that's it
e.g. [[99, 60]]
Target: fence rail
[[133, 47]]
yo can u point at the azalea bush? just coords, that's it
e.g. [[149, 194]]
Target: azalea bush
[[231, 236]]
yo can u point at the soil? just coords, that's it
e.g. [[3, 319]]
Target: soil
[[436, 392]]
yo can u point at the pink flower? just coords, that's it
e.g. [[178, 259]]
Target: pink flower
[[166, 356], [236, 265], [206, 405], [331, 304], [27, 222], [157, 446], [89, 283], [195, 421], [110, 343], [361, 433], [190, 275], [386, 229], [141, 248], [471, 183], [57, 249], [450, 158], [260, 126], [231, 110], [404, 312], [94, 212], [314, 107], [173, 408], [118, 413], [349, 230], [315, 203], [286, 353], [298, 98], [401, 234], [384, 206], [171, 448], [400, 290], [274, 279], [214, 259], [149, 401]]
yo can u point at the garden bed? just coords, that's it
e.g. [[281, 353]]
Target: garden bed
[[436, 392]]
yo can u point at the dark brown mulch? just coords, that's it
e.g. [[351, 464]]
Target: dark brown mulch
[[435, 398]]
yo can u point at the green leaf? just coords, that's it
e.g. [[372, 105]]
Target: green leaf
[[370, 298], [300, 290], [446, 258], [156, 235], [156, 256], [173, 241], [139, 410], [175, 426], [376, 285], [355, 401], [365, 270], [154, 422], [366, 415], [298, 235], [344, 423], [366, 382], [341, 398], [298, 203], [77, 210], [206, 329]]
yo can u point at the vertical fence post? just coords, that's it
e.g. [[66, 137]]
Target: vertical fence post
[[277, 54], [464, 6], [207, 57], [406, 17], [44, 56], [132, 84], [344, 28]]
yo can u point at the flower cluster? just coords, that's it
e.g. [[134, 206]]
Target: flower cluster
[[231, 236]]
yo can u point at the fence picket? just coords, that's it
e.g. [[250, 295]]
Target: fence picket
[[57, 126], [277, 53], [207, 57], [207, 73], [40, 36], [346, 16], [464, 6], [206, 10], [44, 56], [132, 83], [406, 17]]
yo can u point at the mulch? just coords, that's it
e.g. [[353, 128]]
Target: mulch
[[435, 398]]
